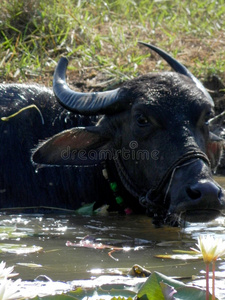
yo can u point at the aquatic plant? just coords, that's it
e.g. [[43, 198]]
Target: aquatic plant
[[6, 272], [211, 249], [9, 289], [156, 287], [12, 289]]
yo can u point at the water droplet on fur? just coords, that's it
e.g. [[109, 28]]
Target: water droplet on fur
[[37, 168]]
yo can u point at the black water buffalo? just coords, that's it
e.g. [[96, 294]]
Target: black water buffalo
[[148, 151], [152, 140]]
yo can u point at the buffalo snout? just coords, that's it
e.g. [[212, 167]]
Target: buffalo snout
[[197, 197]]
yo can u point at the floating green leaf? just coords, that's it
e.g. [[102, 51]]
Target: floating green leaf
[[86, 209], [30, 265], [181, 254], [55, 297], [19, 248], [81, 293], [152, 289], [7, 232]]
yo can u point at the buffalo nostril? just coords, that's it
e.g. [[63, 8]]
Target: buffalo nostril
[[204, 190], [193, 193]]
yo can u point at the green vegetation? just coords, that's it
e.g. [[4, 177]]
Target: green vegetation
[[100, 37], [156, 287]]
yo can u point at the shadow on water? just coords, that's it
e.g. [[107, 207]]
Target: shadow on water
[[65, 263]]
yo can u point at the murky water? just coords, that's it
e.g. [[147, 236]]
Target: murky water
[[66, 263]]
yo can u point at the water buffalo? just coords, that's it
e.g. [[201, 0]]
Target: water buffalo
[[152, 141]]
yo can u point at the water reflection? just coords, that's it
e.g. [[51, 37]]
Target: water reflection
[[66, 263], [60, 262]]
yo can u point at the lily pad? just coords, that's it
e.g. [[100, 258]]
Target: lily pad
[[152, 289], [104, 287], [7, 232], [19, 248], [181, 254], [86, 209], [30, 265]]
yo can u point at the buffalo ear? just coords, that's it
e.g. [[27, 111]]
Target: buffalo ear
[[215, 147], [78, 146]]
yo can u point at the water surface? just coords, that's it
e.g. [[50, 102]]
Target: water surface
[[64, 263]]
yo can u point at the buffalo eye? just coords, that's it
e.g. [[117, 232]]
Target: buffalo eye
[[208, 116], [206, 121], [142, 120]]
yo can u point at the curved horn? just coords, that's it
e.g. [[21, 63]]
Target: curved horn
[[179, 68], [83, 103]]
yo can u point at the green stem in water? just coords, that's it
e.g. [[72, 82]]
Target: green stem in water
[[22, 109], [213, 279], [207, 281]]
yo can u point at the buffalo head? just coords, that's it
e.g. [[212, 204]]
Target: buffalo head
[[155, 129]]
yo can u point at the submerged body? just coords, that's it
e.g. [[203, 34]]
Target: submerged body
[[21, 183]]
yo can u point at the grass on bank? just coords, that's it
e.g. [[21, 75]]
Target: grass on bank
[[100, 37]]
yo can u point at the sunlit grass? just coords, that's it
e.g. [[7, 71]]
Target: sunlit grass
[[102, 36]]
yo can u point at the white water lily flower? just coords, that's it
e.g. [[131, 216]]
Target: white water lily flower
[[210, 247], [6, 272], [9, 289]]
